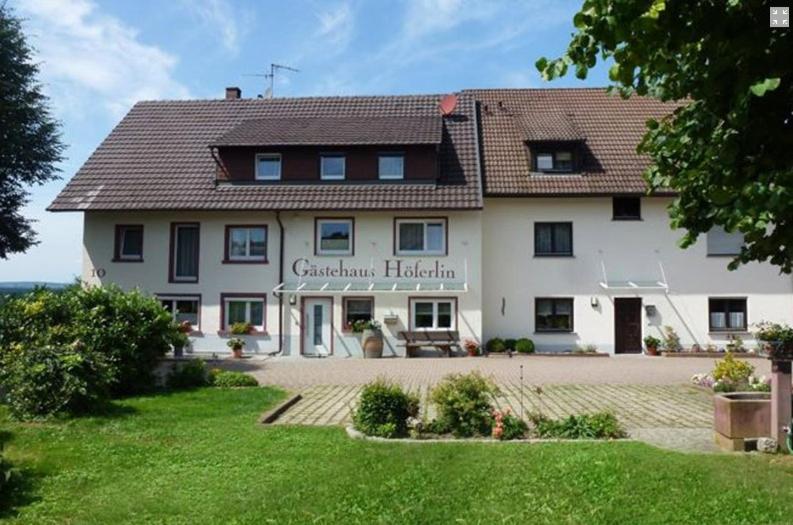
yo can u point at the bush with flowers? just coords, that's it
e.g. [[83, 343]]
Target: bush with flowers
[[507, 426], [732, 375]]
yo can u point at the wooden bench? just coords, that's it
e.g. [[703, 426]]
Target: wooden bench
[[441, 340]]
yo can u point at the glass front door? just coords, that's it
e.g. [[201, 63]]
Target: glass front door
[[317, 329]]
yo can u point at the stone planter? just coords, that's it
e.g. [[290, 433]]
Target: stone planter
[[741, 415], [372, 343]]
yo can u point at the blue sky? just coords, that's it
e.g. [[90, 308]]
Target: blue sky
[[98, 58]]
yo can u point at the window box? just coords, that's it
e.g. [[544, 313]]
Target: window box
[[433, 313], [243, 308], [128, 245], [553, 315], [727, 314], [553, 239], [356, 309], [334, 236], [184, 257], [268, 166], [421, 236], [332, 166], [246, 244]]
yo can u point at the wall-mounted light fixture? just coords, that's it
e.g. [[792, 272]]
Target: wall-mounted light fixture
[[650, 310], [594, 302], [292, 299]]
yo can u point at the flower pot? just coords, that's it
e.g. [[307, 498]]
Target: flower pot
[[652, 350], [178, 350], [237, 352], [473, 352], [372, 343]]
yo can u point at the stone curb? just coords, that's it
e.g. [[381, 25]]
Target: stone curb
[[711, 355], [273, 414], [354, 434]]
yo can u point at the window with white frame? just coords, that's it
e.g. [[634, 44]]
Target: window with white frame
[[183, 308], [334, 236], [268, 166], [421, 236], [391, 166], [432, 314], [332, 167], [129, 242], [248, 310], [246, 244]]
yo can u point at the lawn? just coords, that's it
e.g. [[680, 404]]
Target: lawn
[[201, 457]]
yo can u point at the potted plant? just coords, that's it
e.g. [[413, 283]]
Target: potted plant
[[776, 340], [371, 338], [472, 347], [652, 344], [236, 344], [241, 328], [180, 340]]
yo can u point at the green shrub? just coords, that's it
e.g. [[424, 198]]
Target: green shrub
[[230, 379], [496, 345], [241, 328], [463, 403], [508, 426], [509, 344], [524, 346], [132, 330], [732, 370], [600, 425], [671, 340], [39, 382], [384, 409], [188, 374]]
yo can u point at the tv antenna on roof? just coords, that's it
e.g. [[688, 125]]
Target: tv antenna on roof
[[274, 68]]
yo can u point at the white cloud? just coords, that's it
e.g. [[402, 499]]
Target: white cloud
[[89, 57], [220, 18], [336, 25]]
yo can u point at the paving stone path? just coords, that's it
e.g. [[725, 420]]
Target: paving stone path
[[636, 406]]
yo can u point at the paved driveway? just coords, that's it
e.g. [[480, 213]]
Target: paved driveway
[[299, 373]]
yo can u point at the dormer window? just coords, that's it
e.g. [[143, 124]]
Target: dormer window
[[268, 166], [560, 161], [332, 167]]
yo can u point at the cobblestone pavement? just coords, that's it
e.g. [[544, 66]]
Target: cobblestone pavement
[[650, 396], [299, 373], [636, 406]]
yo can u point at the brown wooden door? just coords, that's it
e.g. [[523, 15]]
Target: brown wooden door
[[627, 325]]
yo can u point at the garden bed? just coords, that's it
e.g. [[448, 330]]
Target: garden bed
[[711, 355], [355, 434]]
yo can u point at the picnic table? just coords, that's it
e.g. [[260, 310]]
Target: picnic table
[[441, 340]]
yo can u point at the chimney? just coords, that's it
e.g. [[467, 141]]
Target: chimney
[[233, 93]]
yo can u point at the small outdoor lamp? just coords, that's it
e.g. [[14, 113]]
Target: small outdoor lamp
[[650, 310], [292, 300], [593, 301]]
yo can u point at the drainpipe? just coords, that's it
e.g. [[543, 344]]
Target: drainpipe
[[280, 294]]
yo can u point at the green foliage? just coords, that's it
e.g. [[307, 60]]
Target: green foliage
[[369, 324], [671, 342], [774, 333], [509, 344], [188, 374], [384, 409], [652, 342], [40, 382], [241, 328], [735, 344], [732, 370], [464, 404], [508, 426], [524, 345], [6, 471], [726, 150], [180, 339], [600, 425], [30, 147], [235, 343], [496, 345], [131, 331], [231, 379]]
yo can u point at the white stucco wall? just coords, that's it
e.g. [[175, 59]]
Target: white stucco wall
[[513, 277], [373, 245]]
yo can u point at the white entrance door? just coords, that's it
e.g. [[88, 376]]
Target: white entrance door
[[317, 331]]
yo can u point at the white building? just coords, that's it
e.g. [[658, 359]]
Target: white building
[[520, 213]]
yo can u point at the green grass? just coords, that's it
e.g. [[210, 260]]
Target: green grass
[[200, 457]]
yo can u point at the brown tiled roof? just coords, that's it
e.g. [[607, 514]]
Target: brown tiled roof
[[158, 158], [334, 131], [608, 127]]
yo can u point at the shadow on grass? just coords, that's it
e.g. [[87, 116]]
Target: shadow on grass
[[19, 490]]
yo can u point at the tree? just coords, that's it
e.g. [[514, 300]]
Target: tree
[[727, 150], [29, 137]]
